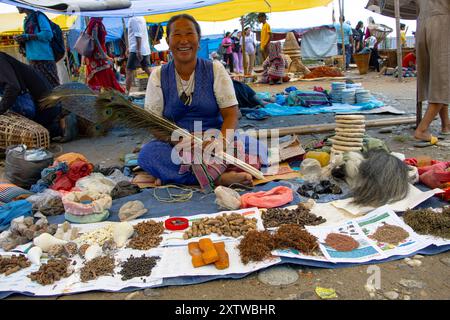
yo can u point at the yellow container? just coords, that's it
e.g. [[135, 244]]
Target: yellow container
[[322, 157]]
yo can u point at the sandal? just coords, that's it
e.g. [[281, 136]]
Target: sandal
[[423, 144]]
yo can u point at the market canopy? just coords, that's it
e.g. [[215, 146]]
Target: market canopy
[[408, 8], [202, 10], [134, 8], [12, 23], [237, 8]]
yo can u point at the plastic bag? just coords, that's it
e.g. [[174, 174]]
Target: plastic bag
[[96, 182], [49, 203], [21, 172], [227, 198], [311, 170]]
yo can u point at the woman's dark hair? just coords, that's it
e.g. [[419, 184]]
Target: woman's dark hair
[[227, 34], [359, 25], [187, 17]]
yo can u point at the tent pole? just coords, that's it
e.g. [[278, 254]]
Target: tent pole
[[125, 33], [244, 55], [399, 41], [341, 19]]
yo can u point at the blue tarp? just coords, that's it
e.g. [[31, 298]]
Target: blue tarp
[[275, 109]]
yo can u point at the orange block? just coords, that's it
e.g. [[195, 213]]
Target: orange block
[[209, 252], [224, 261]]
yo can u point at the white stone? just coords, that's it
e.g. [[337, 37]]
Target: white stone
[[414, 263], [391, 295], [278, 276]]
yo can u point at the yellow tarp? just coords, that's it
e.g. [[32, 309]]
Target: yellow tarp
[[238, 8], [11, 23]]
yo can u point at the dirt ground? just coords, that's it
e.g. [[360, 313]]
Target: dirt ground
[[432, 277]]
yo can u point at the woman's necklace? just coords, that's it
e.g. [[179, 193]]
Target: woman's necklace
[[186, 95]]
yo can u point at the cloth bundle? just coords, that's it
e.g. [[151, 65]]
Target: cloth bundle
[[274, 198], [436, 175], [10, 211], [307, 99], [86, 206], [10, 192]]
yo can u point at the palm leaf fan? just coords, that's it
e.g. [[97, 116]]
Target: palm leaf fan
[[114, 107]]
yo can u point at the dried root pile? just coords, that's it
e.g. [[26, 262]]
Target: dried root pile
[[230, 225], [429, 222], [54, 270], [300, 216], [147, 235], [9, 265], [97, 267]]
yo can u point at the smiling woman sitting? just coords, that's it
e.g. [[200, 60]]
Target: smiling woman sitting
[[188, 90]]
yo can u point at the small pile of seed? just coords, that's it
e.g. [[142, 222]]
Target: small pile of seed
[[54, 270], [135, 267], [256, 246], [341, 242], [9, 265], [391, 234], [230, 225], [292, 236], [301, 216], [97, 267], [147, 235], [429, 222]]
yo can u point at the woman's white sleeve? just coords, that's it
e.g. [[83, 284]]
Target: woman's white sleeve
[[154, 99], [223, 87]]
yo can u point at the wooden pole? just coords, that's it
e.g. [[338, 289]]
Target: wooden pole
[[399, 41], [341, 19], [321, 128], [244, 55]]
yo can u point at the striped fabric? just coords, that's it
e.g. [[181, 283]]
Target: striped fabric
[[10, 192]]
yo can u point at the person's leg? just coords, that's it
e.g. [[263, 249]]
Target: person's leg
[[445, 121], [251, 59], [236, 62], [146, 64], [422, 130], [348, 56], [131, 67], [241, 63]]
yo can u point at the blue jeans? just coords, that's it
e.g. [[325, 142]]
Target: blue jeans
[[348, 53]]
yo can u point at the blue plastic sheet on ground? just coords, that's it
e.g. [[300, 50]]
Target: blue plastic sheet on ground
[[275, 109]]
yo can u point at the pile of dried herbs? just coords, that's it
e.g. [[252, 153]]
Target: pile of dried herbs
[[292, 236], [391, 234], [300, 216], [147, 235], [9, 265], [52, 271], [341, 242], [137, 267], [100, 266], [429, 222], [256, 246]]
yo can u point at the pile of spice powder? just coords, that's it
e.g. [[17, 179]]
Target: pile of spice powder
[[9, 265], [135, 267], [97, 267], [429, 222], [147, 235], [256, 246], [300, 216], [341, 242], [323, 72], [291, 236], [391, 234], [52, 271]]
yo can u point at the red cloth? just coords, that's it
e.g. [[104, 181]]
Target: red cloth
[[435, 176], [276, 197], [77, 170], [410, 57]]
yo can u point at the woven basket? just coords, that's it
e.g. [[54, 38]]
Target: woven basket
[[16, 129], [362, 61]]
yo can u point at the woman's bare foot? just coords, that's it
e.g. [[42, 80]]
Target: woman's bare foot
[[231, 177], [154, 180], [423, 136]]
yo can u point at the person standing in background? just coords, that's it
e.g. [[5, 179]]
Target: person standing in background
[[138, 49], [237, 52], [358, 37], [266, 35], [250, 51], [35, 44], [100, 74], [433, 65], [348, 37], [228, 55], [403, 34]]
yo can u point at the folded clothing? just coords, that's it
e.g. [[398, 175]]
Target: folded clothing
[[12, 210], [273, 198]]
